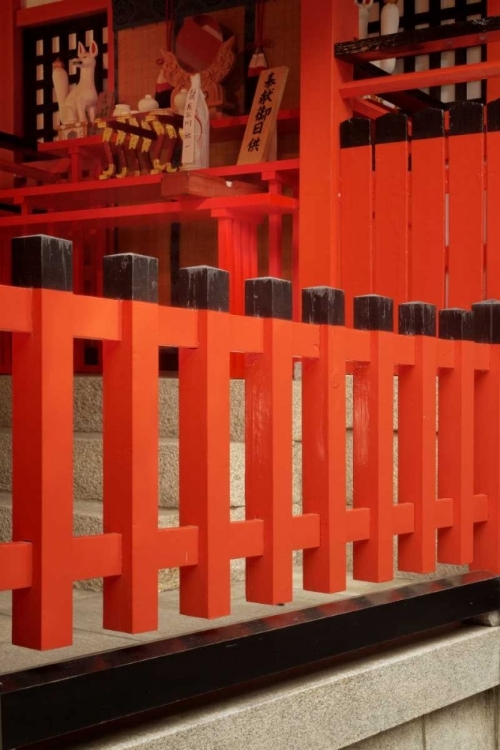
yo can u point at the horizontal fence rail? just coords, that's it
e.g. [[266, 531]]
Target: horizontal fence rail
[[44, 558], [419, 213]]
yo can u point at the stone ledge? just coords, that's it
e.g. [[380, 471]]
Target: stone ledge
[[337, 706]]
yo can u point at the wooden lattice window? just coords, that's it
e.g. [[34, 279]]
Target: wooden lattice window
[[42, 46], [420, 14]]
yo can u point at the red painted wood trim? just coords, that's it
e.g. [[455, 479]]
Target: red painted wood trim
[[10, 113], [322, 109], [59, 11], [420, 80]]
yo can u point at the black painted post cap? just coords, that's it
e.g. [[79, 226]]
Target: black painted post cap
[[417, 319], [487, 321], [466, 118], [391, 128], [42, 262], [203, 288], [428, 123], [323, 305], [268, 298], [456, 324], [373, 313], [493, 116], [355, 132], [129, 276]]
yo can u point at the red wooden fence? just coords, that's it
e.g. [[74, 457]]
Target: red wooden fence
[[43, 559], [420, 215]]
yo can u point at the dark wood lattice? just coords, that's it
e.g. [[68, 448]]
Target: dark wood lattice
[[423, 13], [42, 46]]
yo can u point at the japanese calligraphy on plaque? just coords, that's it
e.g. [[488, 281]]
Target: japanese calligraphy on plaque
[[262, 122]]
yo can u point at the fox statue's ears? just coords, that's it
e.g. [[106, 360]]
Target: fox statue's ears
[[93, 49]]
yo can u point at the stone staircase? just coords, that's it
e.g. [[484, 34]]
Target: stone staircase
[[88, 445]]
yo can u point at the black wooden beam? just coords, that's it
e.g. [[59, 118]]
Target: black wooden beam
[[26, 147], [421, 41], [10, 208], [61, 699]]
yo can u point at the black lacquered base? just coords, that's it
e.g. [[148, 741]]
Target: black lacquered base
[[68, 697]]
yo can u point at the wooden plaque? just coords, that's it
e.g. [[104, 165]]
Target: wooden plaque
[[262, 121]]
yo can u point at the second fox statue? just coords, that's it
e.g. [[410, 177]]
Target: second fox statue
[[79, 104]]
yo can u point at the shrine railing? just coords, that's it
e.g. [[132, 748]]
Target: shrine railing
[[420, 205], [45, 558]]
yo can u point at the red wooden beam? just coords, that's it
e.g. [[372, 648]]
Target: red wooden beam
[[59, 11], [322, 109], [420, 80], [10, 80], [258, 205], [370, 108]]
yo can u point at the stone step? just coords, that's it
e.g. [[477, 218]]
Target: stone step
[[88, 469], [88, 406]]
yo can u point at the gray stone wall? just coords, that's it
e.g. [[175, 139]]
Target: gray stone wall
[[468, 725]]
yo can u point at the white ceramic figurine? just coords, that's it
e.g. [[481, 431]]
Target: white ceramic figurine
[[79, 104]]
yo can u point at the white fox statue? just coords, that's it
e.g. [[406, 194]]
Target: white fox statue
[[79, 104]]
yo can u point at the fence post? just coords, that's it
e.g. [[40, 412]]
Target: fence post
[[487, 437], [324, 439], [373, 439], [130, 453], [269, 441], [204, 443], [417, 438], [42, 455], [456, 438]]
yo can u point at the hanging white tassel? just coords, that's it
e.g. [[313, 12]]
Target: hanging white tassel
[[258, 63]]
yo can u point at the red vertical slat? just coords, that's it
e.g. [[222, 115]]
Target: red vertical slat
[[487, 439], [43, 447], [324, 441], [428, 208], [373, 440], [456, 448], [391, 235], [275, 236], [356, 218], [204, 435], [492, 192], [417, 438], [295, 259], [268, 439], [5, 278], [466, 186], [130, 426]]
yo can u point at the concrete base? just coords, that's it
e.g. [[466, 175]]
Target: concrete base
[[440, 694]]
